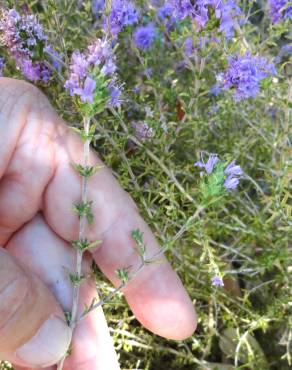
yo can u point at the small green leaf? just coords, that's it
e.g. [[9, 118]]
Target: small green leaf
[[84, 210], [123, 274], [84, 244], [76, 279], [86, 171]]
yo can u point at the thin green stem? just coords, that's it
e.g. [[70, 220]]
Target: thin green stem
[[82, 233]]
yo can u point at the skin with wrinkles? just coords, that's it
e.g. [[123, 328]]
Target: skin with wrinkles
[[37, 189]]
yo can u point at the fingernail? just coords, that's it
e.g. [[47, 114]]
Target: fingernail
[[48, 345]]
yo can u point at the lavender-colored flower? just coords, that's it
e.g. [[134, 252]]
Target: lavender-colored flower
[[26, 41], [144, 36], [215, 90], [54, 57], [227, 12], [198, 10], [35, 71], [286, 50], [233, 169], [123, 13], [97, 62], [166, 14], [2, 65], [189, 47], [279, 10], [244, 75], [218, 177], [233, 173], [217, 281], [115, 96], [209, 166], [97, 7], [165, 11], [231, 183], [86, 92], [143, 131]]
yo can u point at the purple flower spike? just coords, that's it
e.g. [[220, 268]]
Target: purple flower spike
[[217, 281], [98, 58], [209, 166]]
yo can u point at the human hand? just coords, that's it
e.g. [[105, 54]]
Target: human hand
[[37, 189]]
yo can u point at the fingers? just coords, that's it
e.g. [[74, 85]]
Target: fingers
[[169, 311], [50, 257], [27, 130], [32, 327]]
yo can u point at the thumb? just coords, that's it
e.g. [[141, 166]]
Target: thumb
[[33, 331]]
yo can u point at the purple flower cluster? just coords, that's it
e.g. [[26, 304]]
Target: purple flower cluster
[[97, 63], [123, 13], [199, 11], [244, 75], [26, 41], [144, 36], [279, 10], [2, 65], [230, 176]]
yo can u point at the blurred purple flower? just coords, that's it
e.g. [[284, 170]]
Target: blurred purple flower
[[165, 11], [115, 96], [144, 36], [217, 281], [209, 166], [231, 176], [286, 50], [189, 48], [123, 13], [26, 42], [215, 90], [227, 12], [233, 172], [143, 131], [97, 7], [231, 183], [279, 10], [86, 93], [35, 71], [244, 75], [198, 10]]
